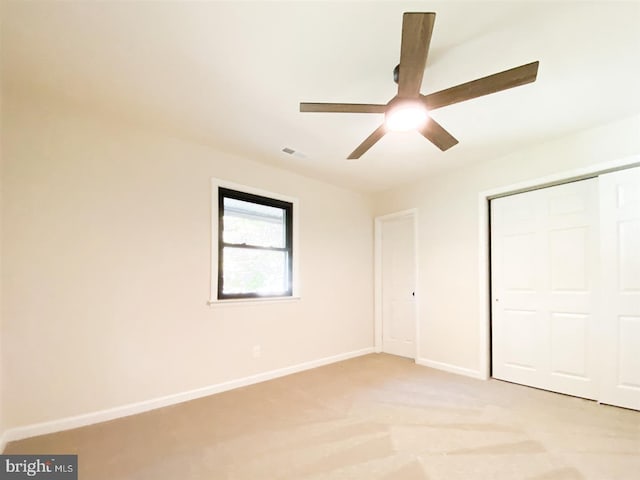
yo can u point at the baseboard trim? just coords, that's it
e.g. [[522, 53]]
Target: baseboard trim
[[447, 367], [83, 420]]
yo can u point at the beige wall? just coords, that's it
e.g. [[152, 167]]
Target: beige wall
[[448, 231], [106, 273], [2, 388], [106, 260]]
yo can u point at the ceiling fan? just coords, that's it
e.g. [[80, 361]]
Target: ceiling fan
[[408, 110]]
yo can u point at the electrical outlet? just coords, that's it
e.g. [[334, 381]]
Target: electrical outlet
[[257, 351]]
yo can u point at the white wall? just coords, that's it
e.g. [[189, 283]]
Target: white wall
[[2, 388], [448, 233], [106, 272]]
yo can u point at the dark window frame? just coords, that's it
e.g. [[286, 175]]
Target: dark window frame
[[288, 248]]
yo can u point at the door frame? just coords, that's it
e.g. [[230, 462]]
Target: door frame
[[484, 235], [378, 223]]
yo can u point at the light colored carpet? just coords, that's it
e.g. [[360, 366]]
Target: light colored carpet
[[375, 417]]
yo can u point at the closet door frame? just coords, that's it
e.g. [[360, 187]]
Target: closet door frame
[[484, 198]]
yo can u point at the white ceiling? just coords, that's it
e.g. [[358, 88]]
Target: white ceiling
[[231, 74]]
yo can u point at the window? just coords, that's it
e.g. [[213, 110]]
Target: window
[[255, 245]]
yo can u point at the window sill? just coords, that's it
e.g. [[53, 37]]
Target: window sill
[[247, 301]]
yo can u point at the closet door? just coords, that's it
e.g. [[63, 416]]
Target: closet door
[[544, 251], [620, 311]]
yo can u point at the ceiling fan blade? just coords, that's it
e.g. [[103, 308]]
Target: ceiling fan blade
[[436, 134], [342, 107], [377, 134], [483, 86], [416, 37]]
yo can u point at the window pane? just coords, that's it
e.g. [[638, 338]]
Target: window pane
[[253, 224], [254, 271]]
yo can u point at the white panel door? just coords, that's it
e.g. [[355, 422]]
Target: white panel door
[[544, 247], [398, 287], [620, 239]]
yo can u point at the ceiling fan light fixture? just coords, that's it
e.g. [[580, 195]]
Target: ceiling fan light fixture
[[406, 116], [409, 109]]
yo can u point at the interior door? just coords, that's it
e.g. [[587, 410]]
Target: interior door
[[620, 237], [544, 250], [398, 286]]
